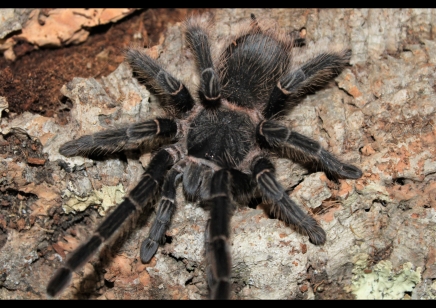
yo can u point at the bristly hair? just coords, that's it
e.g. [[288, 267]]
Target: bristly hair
[[262, 49]]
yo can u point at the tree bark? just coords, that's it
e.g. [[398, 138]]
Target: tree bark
[[378, 115]]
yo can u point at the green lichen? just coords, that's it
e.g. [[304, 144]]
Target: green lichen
[[106, 197], [381, 282]]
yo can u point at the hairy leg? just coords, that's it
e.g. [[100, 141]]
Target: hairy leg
[[115, 140], [304, 80], [152, 72], [301, 148], [137, 199], [283, 207], [198, 41], [219, 231], [165, 211]]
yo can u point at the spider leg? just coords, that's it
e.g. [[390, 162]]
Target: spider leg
[[137, 199], [302, 148], [149, 69], [115, 140], [241, 188], [165, 211], [304, 80], [198, 41], [283, 207], [219, 231]]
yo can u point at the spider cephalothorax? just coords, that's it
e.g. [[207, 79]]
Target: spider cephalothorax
[[221, 141]]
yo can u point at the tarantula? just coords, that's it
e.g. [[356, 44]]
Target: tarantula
[[221, 141]]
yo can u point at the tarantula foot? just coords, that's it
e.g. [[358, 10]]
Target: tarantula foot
[[317, 235], [349, 172], [72, 148], [337, 169], [59, 281], [221, 290], [148, 249]]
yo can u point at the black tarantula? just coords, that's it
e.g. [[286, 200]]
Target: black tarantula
[[221, 141]]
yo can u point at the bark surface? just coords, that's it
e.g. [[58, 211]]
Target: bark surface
[[378, 114]]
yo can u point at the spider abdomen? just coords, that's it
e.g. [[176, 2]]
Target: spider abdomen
[[222, 136], [251, 67]]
